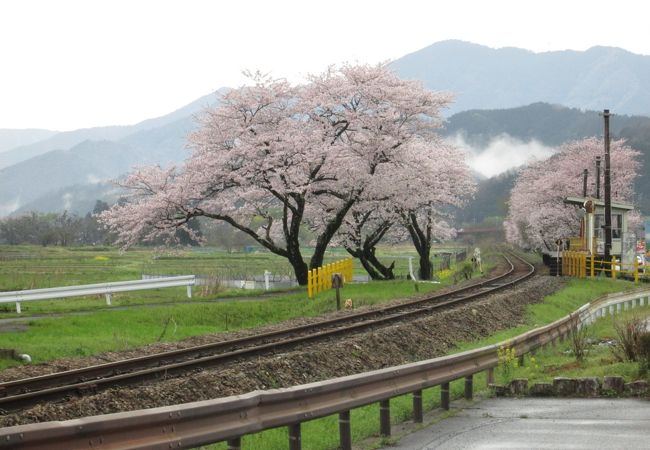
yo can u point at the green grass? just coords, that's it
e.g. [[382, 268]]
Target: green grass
[[110, 330], [30, 267], [576, 293], [599, 361]]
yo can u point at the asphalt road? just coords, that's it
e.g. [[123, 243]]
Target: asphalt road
[[539, 424]]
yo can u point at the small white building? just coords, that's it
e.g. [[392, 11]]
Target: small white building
[[592, 230]]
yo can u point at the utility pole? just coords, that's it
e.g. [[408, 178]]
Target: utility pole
[[608, 191], [585, 174], [598, 177]]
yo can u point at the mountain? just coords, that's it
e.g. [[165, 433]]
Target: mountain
[[76, 199], [68, 139], [52, 180], [90, 162], [15, 138], [487, 78]]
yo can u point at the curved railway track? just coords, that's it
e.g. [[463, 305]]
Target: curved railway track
[[19, 394]]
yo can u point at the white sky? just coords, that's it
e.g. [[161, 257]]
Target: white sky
[[71, 64]]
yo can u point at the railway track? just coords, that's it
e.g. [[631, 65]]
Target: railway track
[[20, 394]]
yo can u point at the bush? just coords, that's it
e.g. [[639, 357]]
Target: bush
[[629, 332], [578, 339], [644, 353]]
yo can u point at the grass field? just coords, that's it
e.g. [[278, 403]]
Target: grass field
[[143, 317], [30, 267]]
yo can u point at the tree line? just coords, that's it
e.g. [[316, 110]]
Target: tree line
[[62, 229]]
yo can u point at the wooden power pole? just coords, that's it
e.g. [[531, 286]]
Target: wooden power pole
[[608, 191]]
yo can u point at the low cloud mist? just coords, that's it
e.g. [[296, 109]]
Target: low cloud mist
[[502, 153]]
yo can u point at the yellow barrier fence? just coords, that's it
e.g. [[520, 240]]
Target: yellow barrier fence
[[320, 278], [580, 265]]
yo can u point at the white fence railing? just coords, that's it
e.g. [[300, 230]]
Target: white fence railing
[[107, 289]]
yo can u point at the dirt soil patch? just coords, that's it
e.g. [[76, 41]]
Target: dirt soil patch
[[424, 338]]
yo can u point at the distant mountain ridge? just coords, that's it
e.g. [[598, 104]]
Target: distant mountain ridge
[[487, 78], [10, 138], [68, 139]]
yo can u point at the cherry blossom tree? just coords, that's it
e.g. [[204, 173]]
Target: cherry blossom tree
[[272, 157], [415, 202], [537, 214], [426, 207]]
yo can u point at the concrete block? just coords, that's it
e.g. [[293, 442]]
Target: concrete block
[[565, 387], [588, 387], [519, 386], [638, 387], [499, 389], [542, 390], [613, 384]]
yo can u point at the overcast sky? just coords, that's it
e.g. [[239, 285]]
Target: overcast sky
[[74, 64]]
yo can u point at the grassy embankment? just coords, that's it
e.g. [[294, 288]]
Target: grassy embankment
[[104, 328], [600, 359]]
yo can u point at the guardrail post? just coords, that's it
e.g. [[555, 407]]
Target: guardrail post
[[234, 444], [108, 299], [18, 310], [345, 431], [469, 387], [384, 417], [417, 407], [267, 280], [189, 291], [294, 437], [489, 376], [444, 396]]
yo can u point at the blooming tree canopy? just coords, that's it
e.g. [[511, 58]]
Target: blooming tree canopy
[[272, 157], [537, 214], [415, 201]]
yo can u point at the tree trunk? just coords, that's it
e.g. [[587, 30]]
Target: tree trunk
[[300, 270], [426, 268], [385, 271], [364, 262], [422, 243], [326, 236]]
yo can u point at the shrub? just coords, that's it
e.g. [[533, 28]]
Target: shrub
[[644, 353], [578, 340], [629, 332]]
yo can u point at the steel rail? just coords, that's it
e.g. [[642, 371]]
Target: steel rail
[[26, 392], [200, 423]]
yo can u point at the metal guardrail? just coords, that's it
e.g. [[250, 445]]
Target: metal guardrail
[[106, 289], [227, 419]]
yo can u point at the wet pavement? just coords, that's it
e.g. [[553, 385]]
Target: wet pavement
[[539, 424]]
